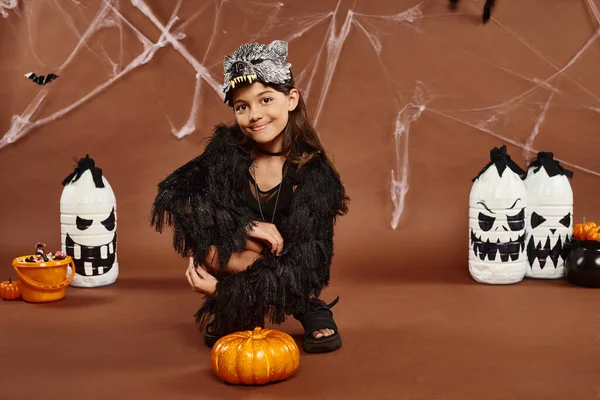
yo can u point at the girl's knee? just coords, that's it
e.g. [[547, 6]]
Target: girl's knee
[[238, 262]]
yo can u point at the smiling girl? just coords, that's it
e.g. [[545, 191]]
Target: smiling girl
[[255, 212]]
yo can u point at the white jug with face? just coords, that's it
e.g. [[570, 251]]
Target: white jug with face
[[88, 220], [497, 208], [549, 217]]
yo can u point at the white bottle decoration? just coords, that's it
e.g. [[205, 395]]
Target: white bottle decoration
[[549, 217], [88, 220], [497, 208]]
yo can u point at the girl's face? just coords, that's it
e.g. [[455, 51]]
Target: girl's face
[[262, 112]]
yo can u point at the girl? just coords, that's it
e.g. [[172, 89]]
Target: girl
[[255, 212]]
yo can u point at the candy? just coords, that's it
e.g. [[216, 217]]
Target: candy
[[41, 255]]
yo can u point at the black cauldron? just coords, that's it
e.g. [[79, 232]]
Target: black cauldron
[[582, 266]]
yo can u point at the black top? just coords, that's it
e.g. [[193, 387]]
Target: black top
[[268, 199]]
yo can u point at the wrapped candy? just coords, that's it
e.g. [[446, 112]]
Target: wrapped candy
[[42, 256]]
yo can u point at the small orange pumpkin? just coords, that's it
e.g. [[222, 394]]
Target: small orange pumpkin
[[593, 234], [10, 290], [255, 357], [581, 230]]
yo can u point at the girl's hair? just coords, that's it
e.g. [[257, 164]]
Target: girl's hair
[[301, 142]]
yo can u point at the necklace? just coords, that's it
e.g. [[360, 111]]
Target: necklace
[[278, 153], [258, 193]]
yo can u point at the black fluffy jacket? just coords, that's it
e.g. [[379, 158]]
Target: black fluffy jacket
[[203, 202]]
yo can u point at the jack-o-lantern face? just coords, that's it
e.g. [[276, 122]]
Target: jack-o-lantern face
[[497, 212], [89, 225], [549, 216], [501, 233], [91, 242], [547, 237]]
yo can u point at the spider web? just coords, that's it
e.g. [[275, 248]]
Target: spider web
[[338, 23]]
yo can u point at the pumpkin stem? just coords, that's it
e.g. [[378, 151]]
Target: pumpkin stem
[[9, 281], [583, 219], [257, 333]]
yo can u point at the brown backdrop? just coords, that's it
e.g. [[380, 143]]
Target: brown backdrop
[[402, 90]]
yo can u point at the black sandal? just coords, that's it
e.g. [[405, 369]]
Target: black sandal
[[210, 338], [319, 316]]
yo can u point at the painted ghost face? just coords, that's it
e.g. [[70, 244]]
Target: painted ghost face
[[501, 233], [547, 236], [91, 242], [497, 211], [89, 223], [549, 220]]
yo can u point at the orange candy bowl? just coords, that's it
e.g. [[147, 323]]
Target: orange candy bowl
[[44, 281]]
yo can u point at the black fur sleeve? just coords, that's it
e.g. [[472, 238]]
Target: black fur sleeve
[[274, 287], [198, 202]]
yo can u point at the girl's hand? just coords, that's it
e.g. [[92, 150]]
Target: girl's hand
[[268, 233], [254, 245], [200, 280]]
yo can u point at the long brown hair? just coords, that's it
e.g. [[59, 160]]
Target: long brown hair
[[301, 142]]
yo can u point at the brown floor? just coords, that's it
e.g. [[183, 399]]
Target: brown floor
[[420, 339]]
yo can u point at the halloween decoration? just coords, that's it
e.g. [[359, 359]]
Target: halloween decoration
[[7, 5], [255, 357], [59, 255], [41, 80], [487, 9], [43, 281], [9, 290], [498, 201], [254, 61], [41, 255], [549, 217], [581, 230], [593, 234], [89, 225], [40, 251], [582, 266]]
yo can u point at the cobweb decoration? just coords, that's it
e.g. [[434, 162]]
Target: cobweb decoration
[[415, 104], [406, 116], [340, 23], [7, 5]]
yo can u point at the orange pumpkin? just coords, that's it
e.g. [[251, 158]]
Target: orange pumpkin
[[580, 231], [10, 290], [255, 357], [593, 234]]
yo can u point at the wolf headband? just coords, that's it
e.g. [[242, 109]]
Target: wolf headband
[[254, 61]]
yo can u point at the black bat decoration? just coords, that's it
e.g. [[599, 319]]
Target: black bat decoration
[[487, 8], [41, 80]]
